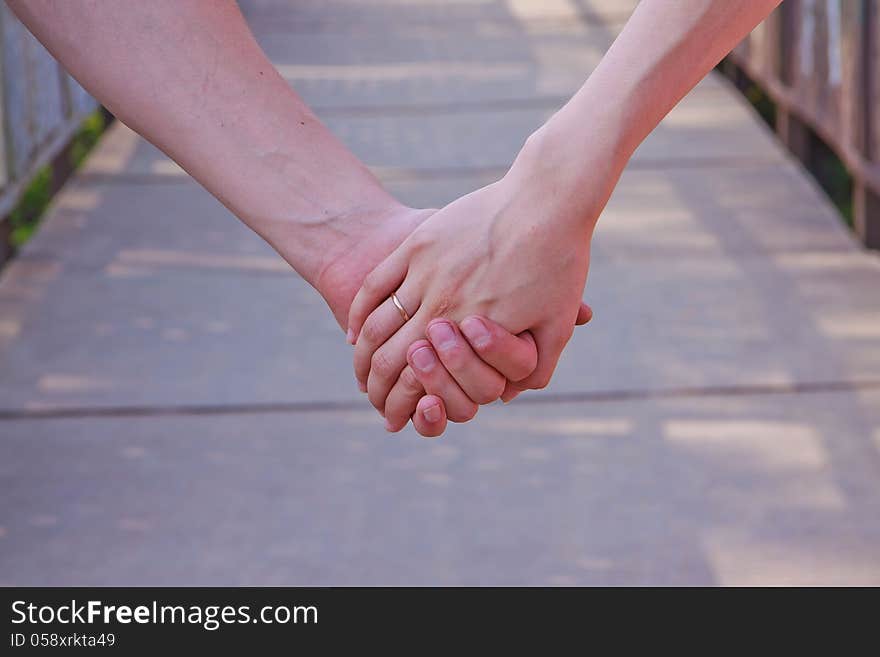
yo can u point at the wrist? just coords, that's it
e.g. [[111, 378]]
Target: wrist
[[312, 241], [547, 175], [576, 158]]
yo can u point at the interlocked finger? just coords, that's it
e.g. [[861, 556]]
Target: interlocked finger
[[381, 325]]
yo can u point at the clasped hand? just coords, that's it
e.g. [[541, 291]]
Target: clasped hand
[[492, 287]]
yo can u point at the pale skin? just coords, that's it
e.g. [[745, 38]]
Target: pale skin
[[518, 251], [188, 75]]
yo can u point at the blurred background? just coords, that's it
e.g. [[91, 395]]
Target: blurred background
[[177, 408]]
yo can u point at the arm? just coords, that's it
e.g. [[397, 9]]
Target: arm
[[525, 263], [189, 76], [665, 49]]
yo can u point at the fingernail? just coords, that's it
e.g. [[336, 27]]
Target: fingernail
[[441, 334], [423, 359], [388, 427], [350, 336], [475, 331], [431, 413], [362, 386]]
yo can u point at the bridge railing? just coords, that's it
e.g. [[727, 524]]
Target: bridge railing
[[819, 61], [41, 107]]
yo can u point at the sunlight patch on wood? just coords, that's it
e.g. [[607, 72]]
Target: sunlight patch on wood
[[757, 443]]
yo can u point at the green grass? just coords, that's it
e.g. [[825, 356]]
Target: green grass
[[24, 218], [86, 137], [26, 215], [762, 103], [833, 177]]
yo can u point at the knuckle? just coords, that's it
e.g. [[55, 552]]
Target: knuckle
[[442, 304], [409, 381], [371, 283], [370, 332], [485, 346], [454, 355], [381, 366], [419, 240]]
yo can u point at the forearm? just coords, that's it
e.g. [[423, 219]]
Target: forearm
[[664, 50], [189, 76]]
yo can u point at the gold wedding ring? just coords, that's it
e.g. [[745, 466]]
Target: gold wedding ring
[[400, 307]]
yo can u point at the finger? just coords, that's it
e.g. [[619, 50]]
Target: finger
[[376, 288], [511, 392], [550, 342], [585, 314], [512, 389], [381, 324], [402, 400], [514, 356], [389, 359], [430, 417], [437, 381], [478, 380]]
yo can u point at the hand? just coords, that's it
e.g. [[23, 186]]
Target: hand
[[515, 251], [473, 363], [484, 373], [361, 242]]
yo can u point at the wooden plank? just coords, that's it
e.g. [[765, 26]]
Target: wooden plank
[[852, 88]]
